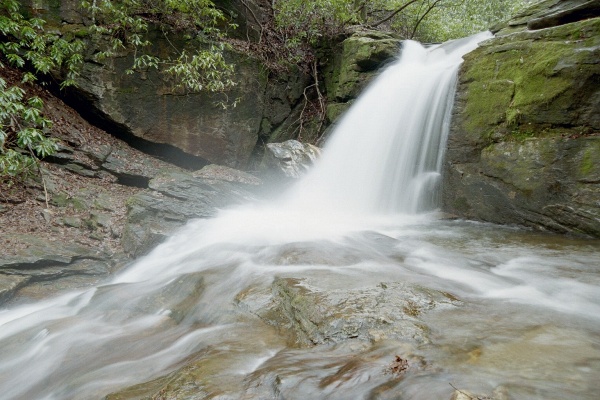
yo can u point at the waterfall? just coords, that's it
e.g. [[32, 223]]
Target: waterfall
[[385, 155], [383, 158]]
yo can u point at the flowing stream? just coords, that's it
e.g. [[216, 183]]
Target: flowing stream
[[525, 318]]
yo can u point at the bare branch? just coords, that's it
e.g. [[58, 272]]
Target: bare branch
[[392, 15], [255, 18], [431, 7]]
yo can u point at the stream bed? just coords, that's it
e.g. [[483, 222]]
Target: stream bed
[[388, 308]]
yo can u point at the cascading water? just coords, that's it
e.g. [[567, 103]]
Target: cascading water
[[388, 153], [528, 319]]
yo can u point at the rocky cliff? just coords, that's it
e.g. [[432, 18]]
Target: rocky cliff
[[524, 146]]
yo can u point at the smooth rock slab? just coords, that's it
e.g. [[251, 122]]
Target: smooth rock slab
[[41, 260], [312, 316]]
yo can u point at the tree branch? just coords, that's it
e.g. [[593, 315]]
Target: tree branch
[[255, 18], [431, 7], [392, 15]]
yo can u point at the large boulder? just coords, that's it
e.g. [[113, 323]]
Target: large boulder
[[194, 128], [175, 197], [524, 144], [147, 107]]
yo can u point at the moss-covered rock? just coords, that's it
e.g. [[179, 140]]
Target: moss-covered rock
[[526, 126], [361, 55], [353, 64]]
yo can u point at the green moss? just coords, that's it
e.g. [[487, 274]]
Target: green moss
[[522, 135], [587, 164], [487, 102], [527, 77], [590, 166]]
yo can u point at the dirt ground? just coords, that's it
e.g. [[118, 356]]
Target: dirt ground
[[27, 206]]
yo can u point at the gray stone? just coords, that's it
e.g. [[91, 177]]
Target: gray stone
[[73, 222], [9, 284], [290, 159], [173, 198], [313, 316]]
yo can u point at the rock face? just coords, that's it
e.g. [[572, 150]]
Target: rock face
[[353, 64], [524, 146], [144, 109]]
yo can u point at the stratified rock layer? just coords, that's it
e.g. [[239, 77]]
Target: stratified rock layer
[[524, 146]]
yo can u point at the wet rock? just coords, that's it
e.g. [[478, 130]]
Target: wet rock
[[290, 159], [352, 65], [41, 260], [525, 134], [357, 62], [313, 316], [215, 372], [9, 284], [173, 198]]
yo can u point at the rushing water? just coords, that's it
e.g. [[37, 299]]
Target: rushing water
[[528, 322]]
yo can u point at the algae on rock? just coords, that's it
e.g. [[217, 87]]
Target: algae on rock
[[523, 146]]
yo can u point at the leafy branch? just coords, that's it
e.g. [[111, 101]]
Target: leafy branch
[[201, 66], [23, 132]]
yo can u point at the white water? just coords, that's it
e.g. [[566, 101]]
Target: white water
[[388, 153], [532, 302]]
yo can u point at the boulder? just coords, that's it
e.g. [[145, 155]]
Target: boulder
[[145, 107], [175, 197], [290, 159], [525, 137], [360, 57]]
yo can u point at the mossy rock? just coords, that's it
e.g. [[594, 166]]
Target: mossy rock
[[523, 146], [545, 77], [356, 62]]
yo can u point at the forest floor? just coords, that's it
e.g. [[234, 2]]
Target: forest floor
[[44, 205]]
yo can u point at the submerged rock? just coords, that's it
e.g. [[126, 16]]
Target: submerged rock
[[310, 315], [525, 138]]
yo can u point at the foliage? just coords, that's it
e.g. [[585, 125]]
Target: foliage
[[462, 18], [22, 132], [200, 67], [432, 20], [25, 44]]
